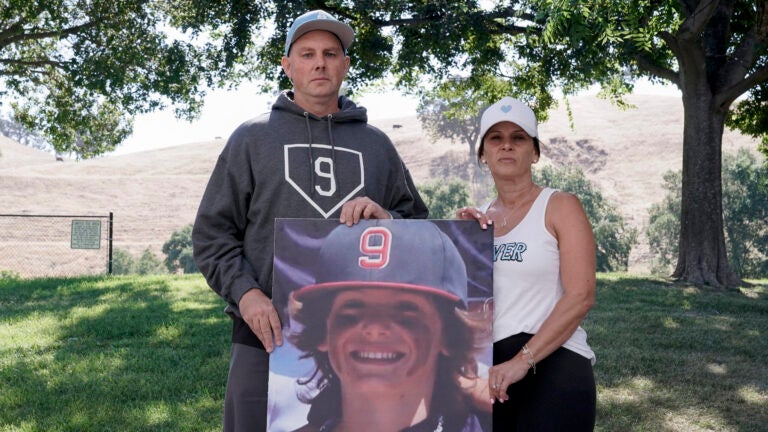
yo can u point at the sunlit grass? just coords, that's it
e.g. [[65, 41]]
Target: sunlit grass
[[120, 354], [151, 354]]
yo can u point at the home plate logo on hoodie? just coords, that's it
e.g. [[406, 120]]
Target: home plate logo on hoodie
[[325, 176]]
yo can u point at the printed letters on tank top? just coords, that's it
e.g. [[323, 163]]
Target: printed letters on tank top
[[509, 251]]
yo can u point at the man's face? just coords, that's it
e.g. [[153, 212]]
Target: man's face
[[382, 337], [316, 65]]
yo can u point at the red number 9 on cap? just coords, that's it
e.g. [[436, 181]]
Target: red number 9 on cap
[[375, 243]]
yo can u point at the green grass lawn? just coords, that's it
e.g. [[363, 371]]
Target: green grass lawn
[[151, 354], [112, 354]]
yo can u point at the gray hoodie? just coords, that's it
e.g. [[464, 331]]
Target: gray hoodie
[[288, 163]]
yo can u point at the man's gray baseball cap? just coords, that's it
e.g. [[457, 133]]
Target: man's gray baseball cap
[[319, 20]]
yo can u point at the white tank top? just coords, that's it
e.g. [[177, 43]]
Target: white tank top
[[526, 278]]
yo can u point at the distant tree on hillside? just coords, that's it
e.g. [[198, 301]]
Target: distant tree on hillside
[[444, 198], [443, 119], [663, 228], [22, 135], [123, 263], [178, 251], [148, 263]]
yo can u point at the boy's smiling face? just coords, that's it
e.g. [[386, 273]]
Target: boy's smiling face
[[383, 337]]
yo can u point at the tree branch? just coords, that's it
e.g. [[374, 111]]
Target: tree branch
[[11, 30], [492, 17], [34, 63], [645, 64], [512, 29], [671, 42], [28, 73], [728, 95], [510, 12], [695, 22], [743, 58], [60, 34], [488, 18], [21, 21], [688, 6]]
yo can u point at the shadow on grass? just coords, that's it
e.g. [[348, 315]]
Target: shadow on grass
[[128, 354], [676, 357], [150, 354]]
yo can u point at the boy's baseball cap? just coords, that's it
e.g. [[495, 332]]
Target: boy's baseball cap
[[511, 110], [410, 255], [319, 20]]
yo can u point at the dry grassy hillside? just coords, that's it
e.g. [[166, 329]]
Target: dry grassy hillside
[[156, 192]]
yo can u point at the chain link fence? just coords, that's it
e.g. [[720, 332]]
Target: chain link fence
[[55, 245]]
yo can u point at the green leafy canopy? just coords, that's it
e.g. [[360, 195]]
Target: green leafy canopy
[[77, 71]]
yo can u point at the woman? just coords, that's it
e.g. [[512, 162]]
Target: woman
[[544, 284]]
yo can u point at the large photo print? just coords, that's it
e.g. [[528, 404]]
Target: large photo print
[[386, 323]]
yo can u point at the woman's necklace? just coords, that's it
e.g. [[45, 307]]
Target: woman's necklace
[[501, 208], [503, 213]]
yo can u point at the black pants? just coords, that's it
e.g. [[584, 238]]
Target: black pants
[[561, 396]]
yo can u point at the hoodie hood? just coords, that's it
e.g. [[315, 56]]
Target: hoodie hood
[[349, 111]]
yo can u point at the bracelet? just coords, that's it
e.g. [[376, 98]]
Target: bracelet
[[531, 360]]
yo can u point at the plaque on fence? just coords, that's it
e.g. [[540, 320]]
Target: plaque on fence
[[86, 234]]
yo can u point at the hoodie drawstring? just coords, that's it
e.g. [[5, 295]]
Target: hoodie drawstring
[[333, 150], [311, 155]]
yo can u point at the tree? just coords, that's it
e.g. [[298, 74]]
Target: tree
[[714, 52], [444, 198], [745, 214], [664, 224], [178, 251], [148, 264], [21, 135], [123, 262], [449, 112], [76, 72]]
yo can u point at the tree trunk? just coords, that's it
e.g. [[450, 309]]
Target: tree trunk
[[702, 255]]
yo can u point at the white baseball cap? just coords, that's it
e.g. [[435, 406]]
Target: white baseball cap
[[319, 20], [511, 110]]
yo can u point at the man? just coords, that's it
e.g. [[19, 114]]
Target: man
[[312, 156], [387, 325]]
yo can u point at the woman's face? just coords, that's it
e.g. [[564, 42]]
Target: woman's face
[[378, 338], [507, 148]]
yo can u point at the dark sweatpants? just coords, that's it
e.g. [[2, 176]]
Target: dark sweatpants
[[245, 404], [561, 396]]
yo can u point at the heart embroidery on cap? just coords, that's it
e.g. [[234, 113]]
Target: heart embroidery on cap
[[506, 108]]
